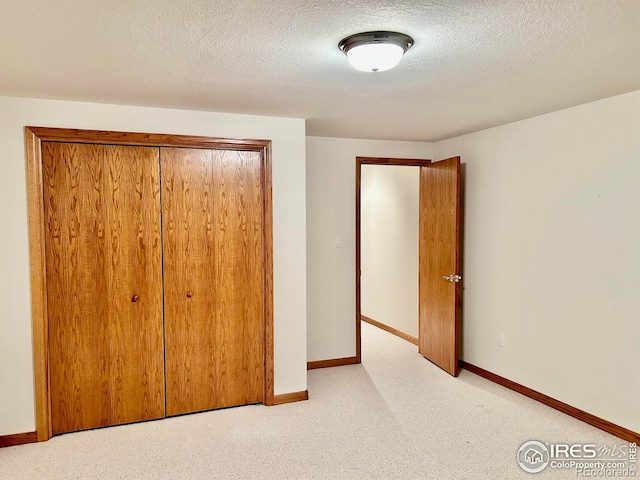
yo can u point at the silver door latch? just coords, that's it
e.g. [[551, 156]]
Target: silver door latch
[[452, 278]]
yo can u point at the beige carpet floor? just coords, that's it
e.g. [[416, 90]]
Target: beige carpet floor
[[396, 416]]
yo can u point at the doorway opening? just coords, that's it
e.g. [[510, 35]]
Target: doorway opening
[[438, 260], [389, 228]]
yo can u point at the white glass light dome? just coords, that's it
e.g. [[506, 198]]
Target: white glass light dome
[[375, 57], [375, 51]]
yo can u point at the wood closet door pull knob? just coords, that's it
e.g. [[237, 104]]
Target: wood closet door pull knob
[[189, 294], [135, 298]]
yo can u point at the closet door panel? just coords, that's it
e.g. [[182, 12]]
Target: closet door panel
[[76, 285], [103, 242], [189, 259], [239, 276], [213, 264], [134, 283]]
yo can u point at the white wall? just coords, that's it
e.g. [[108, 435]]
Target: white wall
[[552, 254], [288, 148], [389, 245], [331, 193]]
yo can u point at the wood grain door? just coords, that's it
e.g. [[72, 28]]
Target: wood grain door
[[104, 284], [212, 215], [439, 270]]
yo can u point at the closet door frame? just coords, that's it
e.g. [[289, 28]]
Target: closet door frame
[[34, 136]]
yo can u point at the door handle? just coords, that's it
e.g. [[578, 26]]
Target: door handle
[[135, 298], [452, 278], [189, 294]]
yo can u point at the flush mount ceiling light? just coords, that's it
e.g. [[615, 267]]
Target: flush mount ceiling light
[[375, 51]]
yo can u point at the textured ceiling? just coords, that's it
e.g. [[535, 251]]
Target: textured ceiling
[[475, 63]]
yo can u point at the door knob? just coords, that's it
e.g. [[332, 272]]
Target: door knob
[[189, 294], [452, 278], [135, 298]]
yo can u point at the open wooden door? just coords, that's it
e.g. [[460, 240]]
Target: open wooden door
[[439, 271]]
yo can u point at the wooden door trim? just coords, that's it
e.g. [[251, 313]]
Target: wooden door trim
[[34, 136], [268, 397], [409, 162], [72, 135], [37, 267]]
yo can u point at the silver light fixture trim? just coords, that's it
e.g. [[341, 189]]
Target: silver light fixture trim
[[375, 51]]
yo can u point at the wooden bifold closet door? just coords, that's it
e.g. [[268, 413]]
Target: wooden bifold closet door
[[155, 278], [212, 218], [104, 284]]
